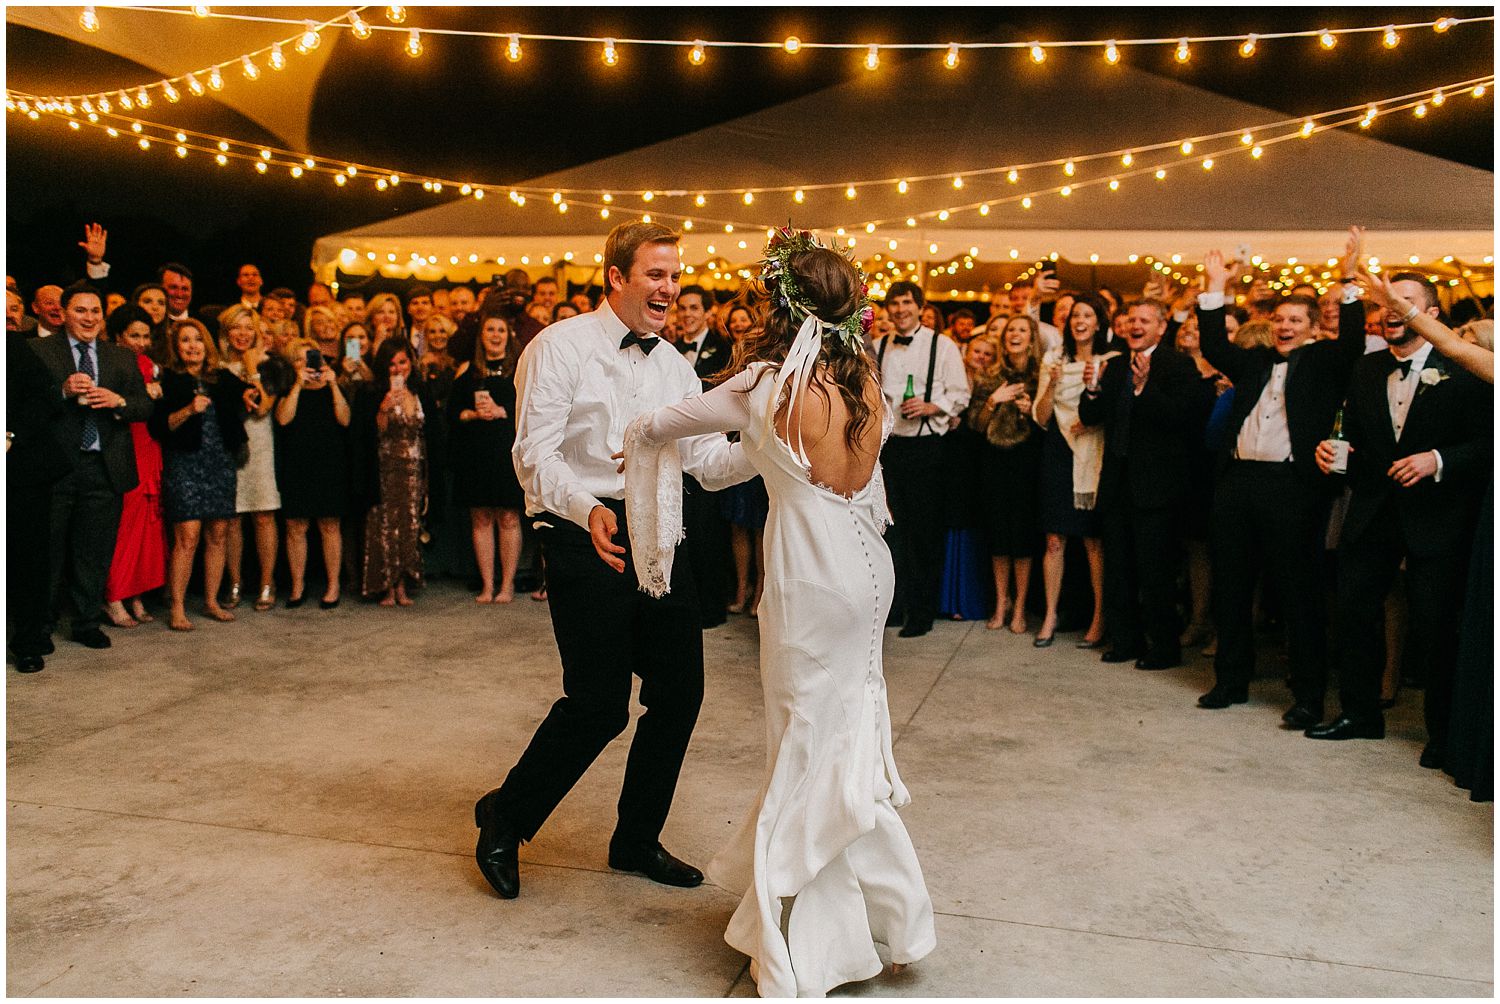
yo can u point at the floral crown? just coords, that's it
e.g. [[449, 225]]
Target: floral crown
[[786, 242]]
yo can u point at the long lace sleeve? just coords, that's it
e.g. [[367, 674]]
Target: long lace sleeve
[[726, 408]]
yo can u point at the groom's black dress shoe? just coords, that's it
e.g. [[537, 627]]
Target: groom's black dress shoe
[[1433, 757], [1349, 728], [914, 629], [1222, 696], [656, 864], [498, 849], [1303, 716]]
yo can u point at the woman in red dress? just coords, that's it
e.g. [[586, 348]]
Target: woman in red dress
[[140, 560]]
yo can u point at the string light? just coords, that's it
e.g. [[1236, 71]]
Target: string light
[[125, 101], [1327, 39], [798, 197], [1208, 163], [89, 20], [513, 49], [646, 196], [310, 39], [1112, 53], [358, 25], [277, 60], [850, 192], [872, 58], [142, 98], [1247, 47], [1478, 91], [1307, 128], [1013, 177], [792, 45], [697, 55], [958, 181], [1420, 111], [215, 79], [1038, 54], [1183, 53], [902, 186], [951, 59], [395, 14], [1442, 24], [611, 57], [1186, 147], [1390, 39], [1128, 158], [1438, 98], [414, 43], [199, 10], [251, 71], [194, 85], [1069, 169]]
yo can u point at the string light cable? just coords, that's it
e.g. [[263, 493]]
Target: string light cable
[[696, 48], [606, 202]]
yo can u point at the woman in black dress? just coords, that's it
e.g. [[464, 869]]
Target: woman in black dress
[[1009, 466], [311, 473], [1071, 459], [200, 422], [481, 414]]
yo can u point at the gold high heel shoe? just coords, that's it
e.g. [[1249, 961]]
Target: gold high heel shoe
[[267, 599]]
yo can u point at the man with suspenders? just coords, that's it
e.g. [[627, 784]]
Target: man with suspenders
[[922, 376]]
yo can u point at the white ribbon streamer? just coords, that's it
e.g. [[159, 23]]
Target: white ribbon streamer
[[796, 370]]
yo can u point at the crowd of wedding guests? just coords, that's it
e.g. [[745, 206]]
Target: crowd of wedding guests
[[1187, 470]]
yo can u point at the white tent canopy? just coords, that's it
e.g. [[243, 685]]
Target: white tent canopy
[[912, 119]]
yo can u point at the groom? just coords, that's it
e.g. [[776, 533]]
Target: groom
[[579, 383]]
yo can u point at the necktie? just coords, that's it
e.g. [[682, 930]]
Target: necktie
[[646, 342], [1402, 366], [903, 339], [90, 437]]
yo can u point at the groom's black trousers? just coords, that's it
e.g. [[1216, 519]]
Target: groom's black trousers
[[608, 631]]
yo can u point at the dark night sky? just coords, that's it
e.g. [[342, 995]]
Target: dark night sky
[[463, 110]]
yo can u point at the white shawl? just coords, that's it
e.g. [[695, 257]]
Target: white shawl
[[1088, 444], [653, 506]]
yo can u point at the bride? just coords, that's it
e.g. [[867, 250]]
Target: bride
[[823, 861]]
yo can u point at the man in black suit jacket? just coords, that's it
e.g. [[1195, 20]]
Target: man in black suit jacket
[[1153, 407], [33, 463], [706, 534], [1420, 453], [103, 391], [1271, 502]]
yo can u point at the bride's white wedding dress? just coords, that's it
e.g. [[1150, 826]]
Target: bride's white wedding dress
[[823, 832]]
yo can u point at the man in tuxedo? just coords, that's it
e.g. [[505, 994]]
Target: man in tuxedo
[[578, 384], [1153, 408], [33, 463], [249, 281], [913, 455], [1420, 453], [1270, 503], [705, 534], [104, 393]]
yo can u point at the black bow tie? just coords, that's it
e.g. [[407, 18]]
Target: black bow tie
[[646, 342], [1402, 366], [903, 339]]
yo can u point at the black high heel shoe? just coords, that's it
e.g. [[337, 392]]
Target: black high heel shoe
[[329, 604], [292, 603]]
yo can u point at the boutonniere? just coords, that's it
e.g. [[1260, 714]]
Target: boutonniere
[[1432, 376]]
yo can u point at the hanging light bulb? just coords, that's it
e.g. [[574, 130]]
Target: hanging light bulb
[[697, 55], [1247, 47], [984, 210], [1069, 169], [1438, 98], [872, 58], [1038, 54], [171, 92], [951, 59], [1187, 147], [1013, 177], [1128, 159], [1328, 39], [414, 43], [358, 25], [182, 151], [611, 57], [792, 45], [1161, 174], [221, 160], [1183, 53], [251, 71], [215, 79], [1442, 24], [201, 11], [1246, 139], [1307, 129], [646, 196], [277, 60], [850, 192], [104, 104], [1208, 163], [1256, 152], [798, 196], [1114, 184], [265, 154], [958, 181], [513, 48], [1479, 90], [395, 14], [1026, 202], [1420, 111], [142, 98], [88, 20], [749, 197], [1390, 39], [869, 228], [309, 39], [1111, 53], [195, 86]]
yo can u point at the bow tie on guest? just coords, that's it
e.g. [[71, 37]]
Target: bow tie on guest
[[646, 342], [1402, 366], [903, 339]]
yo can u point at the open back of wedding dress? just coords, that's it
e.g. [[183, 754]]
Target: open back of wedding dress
[[824, 831]]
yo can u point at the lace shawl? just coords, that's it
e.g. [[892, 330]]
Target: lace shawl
[[653, 506]]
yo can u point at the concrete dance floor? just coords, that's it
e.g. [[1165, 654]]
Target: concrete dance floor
[[283, 806]]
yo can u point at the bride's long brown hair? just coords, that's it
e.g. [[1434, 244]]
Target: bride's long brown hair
[[831, 286]]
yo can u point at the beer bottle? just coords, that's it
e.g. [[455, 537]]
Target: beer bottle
[[911, 390]]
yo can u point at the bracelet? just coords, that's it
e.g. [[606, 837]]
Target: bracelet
[[1411, 313]]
